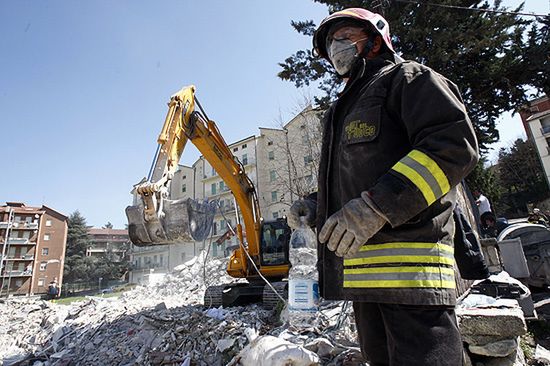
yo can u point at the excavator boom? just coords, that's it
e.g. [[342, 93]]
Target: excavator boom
[[157, 220]]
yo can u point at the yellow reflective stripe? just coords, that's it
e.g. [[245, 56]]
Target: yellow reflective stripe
[[432, 166], [417, 180], [401, 245], [411, 269], [399, 259], [401, 283]]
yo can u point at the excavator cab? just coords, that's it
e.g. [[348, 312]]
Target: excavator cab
[[274, 243]]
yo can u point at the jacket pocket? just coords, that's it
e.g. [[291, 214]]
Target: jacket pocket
[[362, 125]]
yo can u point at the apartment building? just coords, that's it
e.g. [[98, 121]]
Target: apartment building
[[281, 162], [112, 242], [33, 241], [536, 121]]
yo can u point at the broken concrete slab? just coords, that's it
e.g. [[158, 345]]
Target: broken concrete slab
[[496, 349], [503, 318]]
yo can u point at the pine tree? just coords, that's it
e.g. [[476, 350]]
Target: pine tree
[[521, 175], [78, 239], [487, 55]]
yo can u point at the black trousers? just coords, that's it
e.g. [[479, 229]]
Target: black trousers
[[408, 335]]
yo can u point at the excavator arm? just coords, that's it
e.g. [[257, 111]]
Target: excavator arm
[[158, 220]]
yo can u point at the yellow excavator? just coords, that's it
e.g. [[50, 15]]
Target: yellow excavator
[[157, 220]]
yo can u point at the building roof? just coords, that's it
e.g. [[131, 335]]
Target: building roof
[[21, 208], [101, 231], [539, 115]]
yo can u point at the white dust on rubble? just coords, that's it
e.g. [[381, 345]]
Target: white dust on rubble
[[165, 323]]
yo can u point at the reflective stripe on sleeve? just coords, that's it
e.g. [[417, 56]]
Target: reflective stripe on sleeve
[[425, 174]]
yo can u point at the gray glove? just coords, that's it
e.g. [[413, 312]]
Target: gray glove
[[348, 229], [305, 210]]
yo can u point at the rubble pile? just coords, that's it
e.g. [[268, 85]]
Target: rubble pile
[[166, 324], [492, 328]]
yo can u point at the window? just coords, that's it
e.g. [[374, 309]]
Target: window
[[222, 226], [215, 229], [48, 222], [183, 188], [244, 146], [155, 259], [213, 188], [183, 177], [213, 171], [273, 196], [271, 155], [28, 219], [40, 282], [304, 139], [161, 259], [222, 186], [222, 203], [309, 179], [307, 159], [46, 237], [269, 143], [275, 215], [45, 251], [26, 234], [235, 149], [43, 266], [245, 159], [18, 283], [18, 219], [139, 261], [272, 175]]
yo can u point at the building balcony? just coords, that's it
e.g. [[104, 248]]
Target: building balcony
[[20, 241], [17, 274], [19, 225], [21, 258], [150, 266], [150, 249]]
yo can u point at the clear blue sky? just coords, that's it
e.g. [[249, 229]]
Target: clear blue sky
[[84, 86]]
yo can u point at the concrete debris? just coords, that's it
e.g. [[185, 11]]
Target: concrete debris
[[496, 349], [542, 355], [166, 324], [491, 328], [503, 318]]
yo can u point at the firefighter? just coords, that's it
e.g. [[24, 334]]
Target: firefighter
[[395, 144]]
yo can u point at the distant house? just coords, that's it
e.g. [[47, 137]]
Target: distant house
[[113, 242], [33, 242]]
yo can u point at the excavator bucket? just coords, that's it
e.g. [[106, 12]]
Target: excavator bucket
[[180, 221]]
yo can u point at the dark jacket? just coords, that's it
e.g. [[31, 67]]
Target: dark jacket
[[400, 134]]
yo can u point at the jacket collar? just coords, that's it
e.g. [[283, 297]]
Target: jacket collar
[[365, 70]]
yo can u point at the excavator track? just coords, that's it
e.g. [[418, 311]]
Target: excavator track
[[213, 296], [270, 299]]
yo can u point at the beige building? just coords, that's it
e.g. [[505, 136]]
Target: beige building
[[281, 162], [33, 242], [536, 121]]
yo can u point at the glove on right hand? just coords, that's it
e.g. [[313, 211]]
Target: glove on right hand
[[305, 210]]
